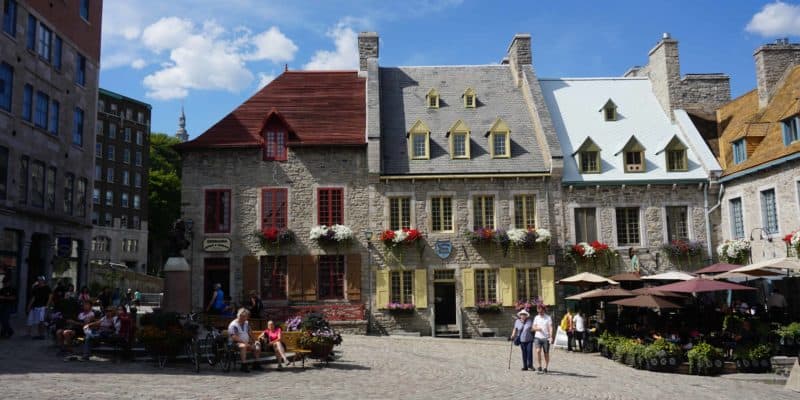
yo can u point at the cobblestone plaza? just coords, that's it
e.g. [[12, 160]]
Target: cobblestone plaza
[[369, 368]]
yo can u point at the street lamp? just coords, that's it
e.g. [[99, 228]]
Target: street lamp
[[368, 237]]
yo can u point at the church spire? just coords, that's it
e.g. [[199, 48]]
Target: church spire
[[181, 134]]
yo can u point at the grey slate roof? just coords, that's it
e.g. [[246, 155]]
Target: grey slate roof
[[402, 103]]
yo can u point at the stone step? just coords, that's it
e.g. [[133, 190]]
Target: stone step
[[404, 333]]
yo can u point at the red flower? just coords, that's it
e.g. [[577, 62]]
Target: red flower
[[387, 235], [578, 249], [413, 235], [270, 234], [599, 247], [788, 238]]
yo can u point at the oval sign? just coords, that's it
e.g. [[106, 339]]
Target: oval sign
[[443, 248], [216, 245]]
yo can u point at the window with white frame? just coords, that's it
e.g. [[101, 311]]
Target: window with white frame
[[524, 211], [628, 226], [441, 214], [737, 220], [769, 213], [399, 213], [677, 223]]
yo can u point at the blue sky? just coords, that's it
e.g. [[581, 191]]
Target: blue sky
[[209, 56]]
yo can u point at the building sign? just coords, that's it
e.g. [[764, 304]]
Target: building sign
[[443, 248], [216, 245], [551, 259]]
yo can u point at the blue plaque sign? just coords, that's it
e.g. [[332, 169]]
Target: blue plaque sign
[[443, 248]]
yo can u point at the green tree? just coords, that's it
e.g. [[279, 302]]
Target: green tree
[[163, 196]]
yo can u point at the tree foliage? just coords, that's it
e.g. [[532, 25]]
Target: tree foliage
[[164, 193]]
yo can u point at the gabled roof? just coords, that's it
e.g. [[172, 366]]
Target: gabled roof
[[609, 104], [319, 108], [402, 94], [587, 144], [673, 143], [632, 144], [742, 118], [573, 107], [458, 126]]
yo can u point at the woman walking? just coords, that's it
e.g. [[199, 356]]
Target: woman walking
[[523, 334]]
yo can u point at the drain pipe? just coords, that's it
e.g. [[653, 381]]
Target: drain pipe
[[708, 215]]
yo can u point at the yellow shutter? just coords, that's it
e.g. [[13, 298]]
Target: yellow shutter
[[382, 288], [548, 289], [507, 286], [421, 288], [468, 283]]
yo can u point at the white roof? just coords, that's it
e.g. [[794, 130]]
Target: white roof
[[574, 104]]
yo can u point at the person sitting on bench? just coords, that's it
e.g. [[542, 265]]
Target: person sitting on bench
[[73, 327], [239, 336], [273, 337], [105, 329]]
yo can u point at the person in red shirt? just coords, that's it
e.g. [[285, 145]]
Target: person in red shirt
[[273, 337]]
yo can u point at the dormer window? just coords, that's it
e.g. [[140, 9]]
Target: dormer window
[[609, 111], [791, 130], [739, 151], [676, 158], [419, 141], [633, 156], [459, 140], [499, 140], [275, 133], [469, 98], [588, 157], [432, 99]]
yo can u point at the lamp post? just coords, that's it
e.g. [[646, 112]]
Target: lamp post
[[189, 225], [368, 237]]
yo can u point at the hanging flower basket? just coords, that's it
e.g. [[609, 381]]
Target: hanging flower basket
[[792, 241], [487, 307], [401, 308], [337, 235], [592, 253], [271, 238], [734, 251], [682, 248], [480, 236]]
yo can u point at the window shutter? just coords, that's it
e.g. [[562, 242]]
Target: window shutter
[[421, 288], [249, 275], [507, 286], [354, 277], [382, 288], [468, 283], [547, 286], [787, 137], [295, 277], [309, 277]]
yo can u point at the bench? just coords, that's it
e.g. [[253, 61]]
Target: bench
[[291, 343]]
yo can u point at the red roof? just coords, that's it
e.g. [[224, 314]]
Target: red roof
[[318, 108]]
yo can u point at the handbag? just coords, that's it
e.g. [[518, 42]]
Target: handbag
[[517, 341]]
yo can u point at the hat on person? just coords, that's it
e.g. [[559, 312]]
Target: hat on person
[[41, 278], [523, 312]]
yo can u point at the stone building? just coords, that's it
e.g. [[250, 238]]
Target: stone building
[[760, 154], [455, 150], [121, 176], [49, 63], [636, 170], [289, 159]]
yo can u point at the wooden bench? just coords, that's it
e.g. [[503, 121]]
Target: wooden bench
[[292, 348]]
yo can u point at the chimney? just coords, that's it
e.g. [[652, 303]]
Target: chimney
[[772, 60], [367, 48], [664, 70], [519, 55]]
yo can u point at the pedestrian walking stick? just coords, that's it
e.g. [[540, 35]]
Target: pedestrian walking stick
[[509, 354]]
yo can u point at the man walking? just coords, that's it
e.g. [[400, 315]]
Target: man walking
[[543, 337], [38, 306], [580, 329]]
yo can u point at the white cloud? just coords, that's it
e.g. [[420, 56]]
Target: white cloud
[[272, 45], [264, 79], [344, 57], [138, 63], [776, 19], [167, 33]]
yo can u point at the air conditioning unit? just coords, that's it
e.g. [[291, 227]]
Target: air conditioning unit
[[633, 168]]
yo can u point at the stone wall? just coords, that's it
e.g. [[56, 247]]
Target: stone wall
[[651, 200], [492, 324], [785, 180], [244, 172]]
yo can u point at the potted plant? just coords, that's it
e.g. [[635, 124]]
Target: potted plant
[[488, 307], [271, 237], [788, 339], [318, 336], [162, 335], [662, 355], [734, 251], [760, 357], [338, 235], [480, 236], [401, 308], [705, 359]]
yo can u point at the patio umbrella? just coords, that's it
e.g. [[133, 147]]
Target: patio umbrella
[[655, 292], [698, 285], [587, 279], [669, 276], [627, 277], [609, 293], [646, 301], [581, 296], [787, 263], [759, 273], [716, 268]]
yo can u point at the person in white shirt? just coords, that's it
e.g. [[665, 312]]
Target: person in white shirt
[[105, 329], [542, 338], [580, 329], [239, 334], [776, 305]]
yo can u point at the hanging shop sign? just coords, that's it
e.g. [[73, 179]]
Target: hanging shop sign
[[443, 248], [216, 245]]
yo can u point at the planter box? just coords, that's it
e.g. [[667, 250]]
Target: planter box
[[754, 366]]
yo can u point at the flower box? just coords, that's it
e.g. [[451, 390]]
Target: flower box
[[401, 308], [273, 237], [331, 235], [486, 307], [734, 251]]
